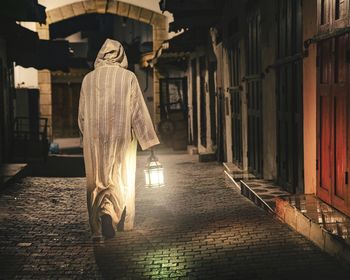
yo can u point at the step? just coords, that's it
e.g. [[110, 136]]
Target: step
[[10, 172], [262, 192], [236, 172], [328, 228], [192, 150], [207, 157]]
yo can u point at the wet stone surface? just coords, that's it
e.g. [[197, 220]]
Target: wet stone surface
[[196, 227], [321, 213], [267, 190]]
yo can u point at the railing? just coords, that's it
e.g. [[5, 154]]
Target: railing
[[30, 139]]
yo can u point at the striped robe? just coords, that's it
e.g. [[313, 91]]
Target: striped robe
[[112, 117]]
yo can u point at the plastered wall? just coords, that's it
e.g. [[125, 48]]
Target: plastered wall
[[309, 96]]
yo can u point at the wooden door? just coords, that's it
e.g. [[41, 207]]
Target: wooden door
[[194, 102], [253, 80], [2, 114], [289, 96], [220, 125], [173, 108], [65, 103], [333, 122], [236, 106], [212, 102], [220, 108]]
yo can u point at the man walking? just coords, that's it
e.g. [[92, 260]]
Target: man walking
[[112, 117]]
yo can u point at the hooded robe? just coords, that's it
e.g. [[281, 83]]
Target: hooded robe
[[112, 117]]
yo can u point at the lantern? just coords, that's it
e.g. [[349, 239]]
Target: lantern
[[154, 175]]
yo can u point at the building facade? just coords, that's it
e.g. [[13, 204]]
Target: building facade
[[12, 36], [5, 103], [270, 82]]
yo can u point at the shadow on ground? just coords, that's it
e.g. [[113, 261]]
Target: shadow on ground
[[58, 166], [150, 261], [70, 163]]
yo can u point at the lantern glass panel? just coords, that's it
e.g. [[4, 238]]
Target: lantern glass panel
[[147, 177], [154, 176]]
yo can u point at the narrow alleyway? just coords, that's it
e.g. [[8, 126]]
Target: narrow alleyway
[[196, 227]]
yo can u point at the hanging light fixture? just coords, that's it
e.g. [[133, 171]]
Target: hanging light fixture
[[154, 172]]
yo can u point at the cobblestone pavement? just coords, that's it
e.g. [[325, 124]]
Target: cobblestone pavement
[[196, 227]]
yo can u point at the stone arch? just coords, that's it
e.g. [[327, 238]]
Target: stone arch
[[115, 7]]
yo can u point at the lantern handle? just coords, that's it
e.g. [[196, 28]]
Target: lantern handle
[[153, 157]]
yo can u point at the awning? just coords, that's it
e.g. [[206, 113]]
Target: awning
[[195, 21], [25, 48], [51, 55], [176, 50], [187, 41], [14, 33], [193, 13], [23, 10], [180, 7]]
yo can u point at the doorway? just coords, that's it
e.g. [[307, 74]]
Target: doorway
[[333, 125], [65, 104], [236, 107], [212, 101], [2, 114], [253, 80], [289, 103], [173, 112], [203, 100], [194, 102]]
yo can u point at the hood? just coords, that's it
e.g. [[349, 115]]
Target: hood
[[111, 53]]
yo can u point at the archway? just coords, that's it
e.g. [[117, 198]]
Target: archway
[[156, 20]]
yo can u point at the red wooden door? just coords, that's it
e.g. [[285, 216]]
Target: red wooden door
[[339, 94], [333, 122]]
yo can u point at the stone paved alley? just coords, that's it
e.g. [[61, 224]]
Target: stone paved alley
[[196, 227]]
